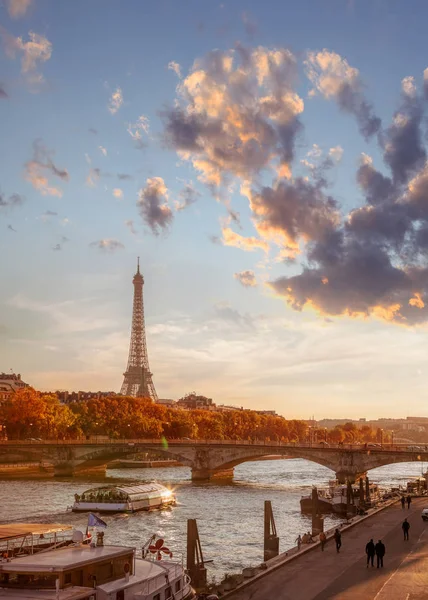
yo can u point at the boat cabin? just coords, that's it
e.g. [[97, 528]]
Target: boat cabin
[[78, 569], [83, 572]]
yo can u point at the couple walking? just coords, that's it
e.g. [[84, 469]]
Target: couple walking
[[378, 549], [373, 550], [404, 500]]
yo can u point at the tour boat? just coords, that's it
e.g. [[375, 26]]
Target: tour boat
[[324, 502], [127, 499], [335, 499], [92, 572]]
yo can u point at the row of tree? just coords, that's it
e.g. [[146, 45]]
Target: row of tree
[[31, 414]]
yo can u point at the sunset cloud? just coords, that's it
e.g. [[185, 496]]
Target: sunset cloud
[[136, 130], [107, 245], [236, 114], [12, 201], [37, 50], [130, 225], [40, 168], [116, 101], [246, 278], [102, 150], [231, 238], [93, 176], [153, 205], [17, 8], [118, 193], [174, 66], [187, 196], [333, 77]]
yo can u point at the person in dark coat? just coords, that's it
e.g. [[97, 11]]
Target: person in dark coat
[[380, 553], [338, 540], [370, 551], [405, 527], [409, 501], [403, 502]]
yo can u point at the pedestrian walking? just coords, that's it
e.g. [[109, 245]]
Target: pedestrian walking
[[299, 541], [409, 501], [405, 527], [338, 540], [323, 539], [380, 553], [370, 551], [403, 502]]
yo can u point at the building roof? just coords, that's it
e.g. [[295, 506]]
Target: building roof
[[15, 530], [64, 558]]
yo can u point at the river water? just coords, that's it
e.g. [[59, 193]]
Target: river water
[[229, 515]]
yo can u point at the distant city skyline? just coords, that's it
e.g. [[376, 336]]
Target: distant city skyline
[[267, 162]]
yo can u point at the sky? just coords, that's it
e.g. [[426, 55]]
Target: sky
[[266, 162]]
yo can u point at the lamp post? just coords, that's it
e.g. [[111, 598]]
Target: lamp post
[[325, 434], [392, 436], [96, 431], [381, 438]]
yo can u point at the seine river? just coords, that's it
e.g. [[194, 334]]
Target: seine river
[[230, 516]]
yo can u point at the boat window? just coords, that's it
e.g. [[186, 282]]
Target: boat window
[[156, 597], [28, 580], [67, 578], [178, 586], [168, 593]]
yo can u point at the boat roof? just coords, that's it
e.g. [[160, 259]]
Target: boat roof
[[141, 488], [70, 593], [63, 558], [15, 530]]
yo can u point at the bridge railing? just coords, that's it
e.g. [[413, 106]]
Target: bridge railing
[[163, 443]]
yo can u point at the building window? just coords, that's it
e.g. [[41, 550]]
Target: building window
[[156, 597], [178, 586], [168, 593]]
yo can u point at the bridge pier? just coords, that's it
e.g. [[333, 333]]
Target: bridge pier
[[210, 474], [64, 470], [351, 476], [70, 469]]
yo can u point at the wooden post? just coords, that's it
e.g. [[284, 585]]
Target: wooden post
[[367, 491], [271, 540], [361, 502], [317, 519], [195, 560]]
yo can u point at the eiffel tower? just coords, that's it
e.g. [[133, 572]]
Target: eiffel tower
[[137, 380]]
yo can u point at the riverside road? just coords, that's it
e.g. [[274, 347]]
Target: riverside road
[[327, 575]]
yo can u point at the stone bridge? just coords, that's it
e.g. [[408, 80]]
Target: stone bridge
[[206, 458]]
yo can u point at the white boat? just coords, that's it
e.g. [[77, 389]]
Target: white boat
[[127, 499], [92, 572]]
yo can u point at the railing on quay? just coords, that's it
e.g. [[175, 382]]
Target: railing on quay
[[161, 442]]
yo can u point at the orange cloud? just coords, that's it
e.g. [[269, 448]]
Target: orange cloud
[[231, 238]]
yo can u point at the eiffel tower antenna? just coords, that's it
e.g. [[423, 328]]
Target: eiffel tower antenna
[[137, 380]]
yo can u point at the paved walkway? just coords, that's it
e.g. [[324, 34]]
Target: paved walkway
[[330, 576]]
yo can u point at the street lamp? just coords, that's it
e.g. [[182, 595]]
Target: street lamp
[[325, 434], [381, 438]]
